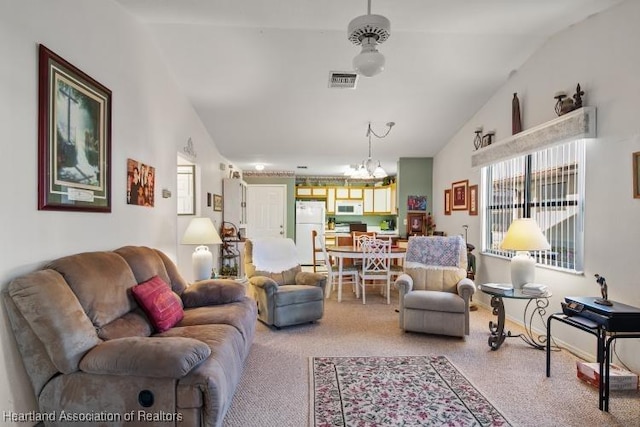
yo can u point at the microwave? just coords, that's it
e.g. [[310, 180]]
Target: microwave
[[348, 207]]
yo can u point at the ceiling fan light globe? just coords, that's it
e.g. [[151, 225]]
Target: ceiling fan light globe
[[369, 62]]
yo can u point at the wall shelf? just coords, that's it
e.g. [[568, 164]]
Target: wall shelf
[[578, 124]]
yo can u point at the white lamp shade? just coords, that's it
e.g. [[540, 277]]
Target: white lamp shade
[[369, 62], [201, 231], [525, 235]]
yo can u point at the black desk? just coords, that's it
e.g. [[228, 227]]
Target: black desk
[[606, 324]]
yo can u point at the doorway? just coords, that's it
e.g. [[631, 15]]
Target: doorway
[[267, 214]]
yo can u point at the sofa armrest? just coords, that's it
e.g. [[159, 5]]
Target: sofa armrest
[[212, 292], [466, 288], [311, 279], [404, 284], [156, 357]]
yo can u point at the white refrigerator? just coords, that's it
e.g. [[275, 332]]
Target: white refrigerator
[[309, 216]]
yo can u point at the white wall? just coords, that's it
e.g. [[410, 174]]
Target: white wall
[[601, 54], [152, 122]]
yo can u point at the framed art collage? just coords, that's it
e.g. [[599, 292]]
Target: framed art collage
[[461, 197]]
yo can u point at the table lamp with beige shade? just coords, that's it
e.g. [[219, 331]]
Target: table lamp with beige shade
[[201, 232], [524, 235]]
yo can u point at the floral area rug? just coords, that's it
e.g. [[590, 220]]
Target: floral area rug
[[395, 391]]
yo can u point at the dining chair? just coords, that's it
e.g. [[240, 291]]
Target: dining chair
[[349, 272], [376, 265], [317, 250], [358, 236]]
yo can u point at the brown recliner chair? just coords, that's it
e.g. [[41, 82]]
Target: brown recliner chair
[[285, 294]]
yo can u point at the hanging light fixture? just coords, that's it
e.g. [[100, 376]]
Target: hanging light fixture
[[369, 31], [368, 168]]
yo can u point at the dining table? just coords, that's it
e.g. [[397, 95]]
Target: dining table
[[351, 252]]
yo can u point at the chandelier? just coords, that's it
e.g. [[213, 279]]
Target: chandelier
[[368, 168], [369, 31]]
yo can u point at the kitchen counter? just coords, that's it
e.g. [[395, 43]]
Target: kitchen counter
[[343, 233]]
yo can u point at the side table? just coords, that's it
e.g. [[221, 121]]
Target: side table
[[536, 306]]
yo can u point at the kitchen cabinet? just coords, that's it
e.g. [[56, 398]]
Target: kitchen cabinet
[[379, 200], [234, 193], [303, 191], [367, 205], [331, 200], [355, 193], [317, 192], [393, 207], [342, 192]]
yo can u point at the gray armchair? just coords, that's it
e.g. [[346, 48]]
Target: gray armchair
[[434, 290], [285, 294]]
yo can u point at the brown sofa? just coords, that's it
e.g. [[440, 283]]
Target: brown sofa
[[92, 355]]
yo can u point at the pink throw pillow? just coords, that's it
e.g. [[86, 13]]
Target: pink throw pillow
[[159, 302]]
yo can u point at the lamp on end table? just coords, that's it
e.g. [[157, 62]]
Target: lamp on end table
[[524, 235], [202, 232]]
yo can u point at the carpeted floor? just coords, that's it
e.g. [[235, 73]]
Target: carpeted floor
[[274, 390]]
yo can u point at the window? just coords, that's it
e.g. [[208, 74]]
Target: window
[[186, 194], [548, 186]]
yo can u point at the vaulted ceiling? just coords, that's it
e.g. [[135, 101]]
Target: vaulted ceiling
[[257, 72]]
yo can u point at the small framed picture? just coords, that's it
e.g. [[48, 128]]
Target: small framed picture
[[416, 224], [636, 175], [473, 200], [417, 203], [447, 201], [460, 195], [141, 183], [217, 202]]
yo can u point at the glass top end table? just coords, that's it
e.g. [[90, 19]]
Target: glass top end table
[[536, 305]]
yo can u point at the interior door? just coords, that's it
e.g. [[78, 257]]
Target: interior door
[[266, 211]]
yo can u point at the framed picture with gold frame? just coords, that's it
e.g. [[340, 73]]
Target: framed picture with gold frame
[[416, 224], [447, 201], [473, 200], [217, 202], [636, 175], [460, 195]]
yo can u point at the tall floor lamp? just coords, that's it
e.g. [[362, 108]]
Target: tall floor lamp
[[201, 232]]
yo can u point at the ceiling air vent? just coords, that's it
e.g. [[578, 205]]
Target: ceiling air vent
[[343, 80]]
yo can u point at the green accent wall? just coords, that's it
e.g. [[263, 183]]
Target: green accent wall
[[415, 178], [291, 196]]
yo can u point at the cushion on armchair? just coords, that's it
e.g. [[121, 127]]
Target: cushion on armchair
[[436, 263], [435, 278]]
